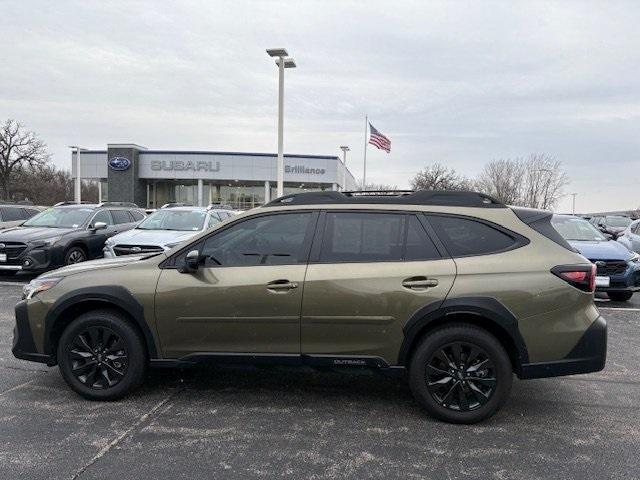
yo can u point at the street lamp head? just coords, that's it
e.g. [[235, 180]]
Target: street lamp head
[[277, 52], [344, 148], [288, 62], [77, 148]]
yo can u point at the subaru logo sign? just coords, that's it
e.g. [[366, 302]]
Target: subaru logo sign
[[136, 249], [2, 245], [119, 163]]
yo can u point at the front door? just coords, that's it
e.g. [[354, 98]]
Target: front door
[[247, 294], [372, 273]]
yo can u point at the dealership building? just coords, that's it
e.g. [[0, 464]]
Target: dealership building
[[151, 178]]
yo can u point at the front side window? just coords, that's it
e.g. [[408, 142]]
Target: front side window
[[464, 237], [60, 218], [102, 216], [265, 240]]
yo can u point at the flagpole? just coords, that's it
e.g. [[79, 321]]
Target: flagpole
[[364, 171]]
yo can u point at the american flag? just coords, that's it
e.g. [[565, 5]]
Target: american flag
[[379, 140]]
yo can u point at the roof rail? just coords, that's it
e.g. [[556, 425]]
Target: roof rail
[[71, 202], [176, 204], [398, 197], [219, 206], [118, 204]]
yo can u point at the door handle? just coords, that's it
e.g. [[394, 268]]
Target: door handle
[[419, 283], [281, 285]]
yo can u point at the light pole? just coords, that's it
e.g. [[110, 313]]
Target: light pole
[[573, 205], [78, 183], [344, 149], [282, 62]]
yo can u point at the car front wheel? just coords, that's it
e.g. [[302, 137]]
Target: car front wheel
[[75, 255], [101, 356], [460, 374]]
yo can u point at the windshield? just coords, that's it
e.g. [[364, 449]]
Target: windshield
[[183, 220], [574, 228], [618, 221], [60, 218]]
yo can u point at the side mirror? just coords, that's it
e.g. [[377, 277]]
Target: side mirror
[[191, 262], [99, 226]]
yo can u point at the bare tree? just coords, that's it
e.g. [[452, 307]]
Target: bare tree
[[544, 181], [47, 185], [504, 180], [439, 177], [18, 149]]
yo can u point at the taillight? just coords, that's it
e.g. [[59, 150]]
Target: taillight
[[583, 277]]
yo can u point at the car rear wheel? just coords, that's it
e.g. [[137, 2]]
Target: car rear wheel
[[620, 296], [75, 255], [101, 356], [460, 374]]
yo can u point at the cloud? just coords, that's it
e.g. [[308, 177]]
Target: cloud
[[460, 83]]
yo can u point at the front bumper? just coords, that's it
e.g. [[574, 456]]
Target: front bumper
[[589, 355], [36, 259], [24, 347]]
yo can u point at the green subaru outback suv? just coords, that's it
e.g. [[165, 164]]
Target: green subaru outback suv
[[454, 288]]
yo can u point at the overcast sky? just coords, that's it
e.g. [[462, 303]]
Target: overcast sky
[[460, 83]]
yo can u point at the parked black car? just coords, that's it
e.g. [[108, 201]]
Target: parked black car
[[62, 235], [12, 215]]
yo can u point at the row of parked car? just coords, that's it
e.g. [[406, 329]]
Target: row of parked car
[[37, 239]]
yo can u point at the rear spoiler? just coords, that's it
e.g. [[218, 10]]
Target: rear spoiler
[[540, 221]]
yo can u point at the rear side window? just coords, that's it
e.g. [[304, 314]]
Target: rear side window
[[465, 237], [362, 237], [137, 216], [419, 246], [121, 216], [11, 214]]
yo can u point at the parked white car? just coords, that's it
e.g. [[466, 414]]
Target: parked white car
[[163, 230]]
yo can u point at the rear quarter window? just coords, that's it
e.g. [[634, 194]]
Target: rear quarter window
[[467, 237]]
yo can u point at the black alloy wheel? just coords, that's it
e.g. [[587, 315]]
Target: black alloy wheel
[[460, 376], [102, 355], [460, 373], [98, 358], [75, 255]]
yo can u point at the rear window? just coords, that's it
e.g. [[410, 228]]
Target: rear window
[[121, 216], [466, 237]]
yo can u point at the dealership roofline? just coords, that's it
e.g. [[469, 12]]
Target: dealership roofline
[[201, 152]]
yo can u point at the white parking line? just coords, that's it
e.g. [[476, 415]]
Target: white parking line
[[624, 309]]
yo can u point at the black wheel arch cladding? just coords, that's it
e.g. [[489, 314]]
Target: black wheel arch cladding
[[109, 295]]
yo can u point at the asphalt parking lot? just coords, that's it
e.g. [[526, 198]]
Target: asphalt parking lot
[[283, 422]]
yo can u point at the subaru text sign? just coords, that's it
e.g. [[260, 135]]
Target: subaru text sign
[[119, 163]]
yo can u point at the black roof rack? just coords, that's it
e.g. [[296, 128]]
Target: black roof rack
[[118, 204], [399, 197], [71, 202]]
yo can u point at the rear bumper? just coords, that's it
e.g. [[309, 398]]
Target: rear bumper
[[589, 355], [24, 347]]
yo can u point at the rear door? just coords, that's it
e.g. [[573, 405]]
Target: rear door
[[123, 220], [369, 272]]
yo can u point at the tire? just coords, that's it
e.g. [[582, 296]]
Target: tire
[[442, 398], [78, 349], [620, 296], [75, 255]]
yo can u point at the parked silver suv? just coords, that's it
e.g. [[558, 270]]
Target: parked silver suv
[[164, 229]]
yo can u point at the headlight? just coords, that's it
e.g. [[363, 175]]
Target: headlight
[[44, 243], [109, 243], [38, 285], [635, 258]]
